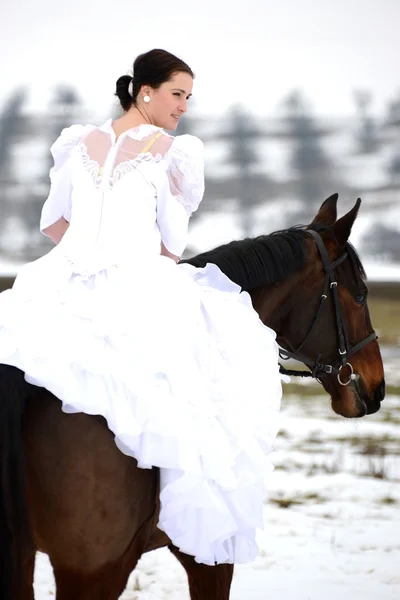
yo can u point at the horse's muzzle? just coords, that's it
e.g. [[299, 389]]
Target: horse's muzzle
[[374, 405]]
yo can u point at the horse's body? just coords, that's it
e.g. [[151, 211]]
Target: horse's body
[[89, 507]]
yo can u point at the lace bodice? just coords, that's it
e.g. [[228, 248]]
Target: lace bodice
[[122, 196]]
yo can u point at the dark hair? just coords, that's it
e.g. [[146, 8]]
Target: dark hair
[[152, 68]]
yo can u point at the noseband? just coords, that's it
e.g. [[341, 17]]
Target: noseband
[[319, 370]]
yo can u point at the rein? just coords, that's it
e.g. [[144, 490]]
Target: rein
[[345, 350]]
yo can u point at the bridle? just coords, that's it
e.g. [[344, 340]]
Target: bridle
[[318, 370]]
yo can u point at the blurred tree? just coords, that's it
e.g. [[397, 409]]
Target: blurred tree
[[241, 135], [367, 135], [23, 137], [12, 123], [392, 127], [394, 169], [313, 169], [393, 117], [382, 242], [64, 109], [10, 127]]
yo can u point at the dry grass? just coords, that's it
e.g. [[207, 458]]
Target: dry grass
[[388, 500], [283, 501], [385, 317]]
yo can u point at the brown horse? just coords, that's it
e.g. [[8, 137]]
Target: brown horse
[[68, 491]]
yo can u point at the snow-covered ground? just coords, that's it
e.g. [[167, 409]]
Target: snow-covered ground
[[332, 519]]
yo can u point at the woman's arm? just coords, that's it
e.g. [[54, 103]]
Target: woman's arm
[[57, 230], [165, 252]]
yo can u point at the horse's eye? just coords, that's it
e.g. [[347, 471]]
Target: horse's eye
[[361, 298]]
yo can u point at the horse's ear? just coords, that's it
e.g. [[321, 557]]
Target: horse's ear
[[327, 214], [342, 227]]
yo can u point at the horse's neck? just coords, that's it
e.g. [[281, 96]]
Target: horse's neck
[[270, 300]]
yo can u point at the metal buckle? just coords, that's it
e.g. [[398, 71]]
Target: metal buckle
[[328, 369], [333, 284], [352, 376]]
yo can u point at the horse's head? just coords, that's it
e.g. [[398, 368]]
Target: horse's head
[[322, 316], [309, 286]]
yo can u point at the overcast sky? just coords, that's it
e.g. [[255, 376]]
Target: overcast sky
[[253, 51]]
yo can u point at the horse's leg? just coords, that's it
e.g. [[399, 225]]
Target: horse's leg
[[205, 583], [105, 584]]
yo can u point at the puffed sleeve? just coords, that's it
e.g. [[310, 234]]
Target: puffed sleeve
[[58, 203], [180, 191]]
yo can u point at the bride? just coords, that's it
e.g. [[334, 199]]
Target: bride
[[173, 357]]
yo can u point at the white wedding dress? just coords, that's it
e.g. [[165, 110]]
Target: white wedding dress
[[173, 357]]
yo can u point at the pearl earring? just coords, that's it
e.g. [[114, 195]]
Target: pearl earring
[[146, 99]]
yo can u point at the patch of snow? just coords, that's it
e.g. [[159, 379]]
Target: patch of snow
[[377, 271]]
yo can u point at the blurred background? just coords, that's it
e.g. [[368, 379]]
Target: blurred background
[[294, 100]]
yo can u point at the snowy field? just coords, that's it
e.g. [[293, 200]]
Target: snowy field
[[332, 519]]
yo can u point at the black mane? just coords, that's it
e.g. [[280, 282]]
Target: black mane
[[255, 262], [266, 259]]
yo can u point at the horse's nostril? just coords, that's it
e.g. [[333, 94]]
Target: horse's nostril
[[380, 391]]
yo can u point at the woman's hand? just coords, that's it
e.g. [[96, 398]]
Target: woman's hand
[[57, 230], [164, 252]]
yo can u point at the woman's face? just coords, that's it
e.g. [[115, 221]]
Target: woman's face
[[168, 102]]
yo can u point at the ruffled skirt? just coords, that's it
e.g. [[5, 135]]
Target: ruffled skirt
[[178, 363]]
